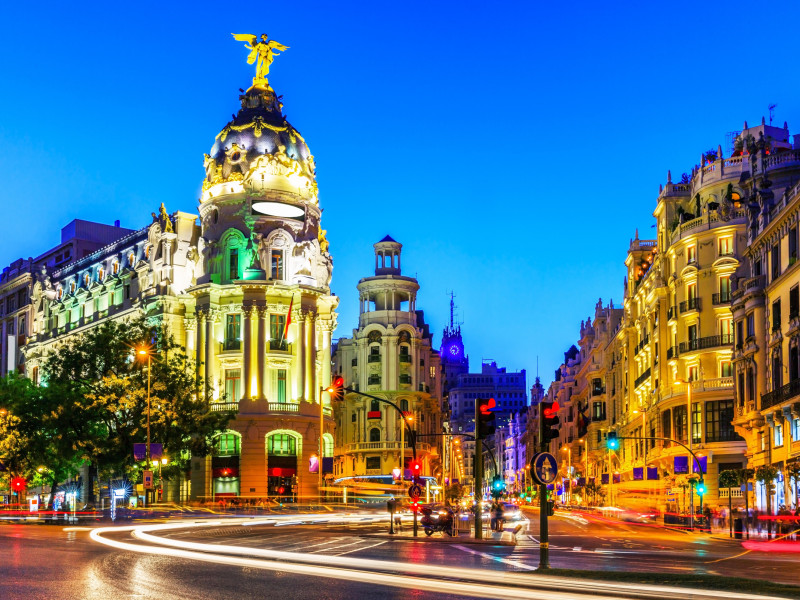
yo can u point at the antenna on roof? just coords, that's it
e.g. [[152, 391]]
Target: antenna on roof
[[771, 113]]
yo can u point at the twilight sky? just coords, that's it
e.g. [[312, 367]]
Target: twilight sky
[[512, 147]]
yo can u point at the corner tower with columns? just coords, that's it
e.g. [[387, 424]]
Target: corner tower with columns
[[391, 356]]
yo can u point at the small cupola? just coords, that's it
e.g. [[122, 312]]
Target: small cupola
[[387, 256]]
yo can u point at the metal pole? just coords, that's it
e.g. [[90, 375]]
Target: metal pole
[[544, 534], [478, 478], [690, 421], [402, 448], [147, 449]]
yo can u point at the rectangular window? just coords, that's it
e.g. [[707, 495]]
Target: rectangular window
[[776, 315], [697, 423], [679, 419], [691, 254], [373, 462], [726, 330], [777, 376], [281, 387], [796, 430], [725, 246], [794, 302], [724, 289], [751, 385], [719, 414], [778, 431], [233, 378], [739, 335], [776, 261], [751, 325], [691, 373], [276, 264], [725, 368], [792, 245], [277, 325], [233, 327], [757, 268], [233, 264], [691, 291]]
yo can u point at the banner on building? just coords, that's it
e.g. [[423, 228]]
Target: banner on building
[[617, 478], [681, 464], [652, 473], [313, 464], [604, 478], [638, 473], [140, 451], [701, 465]]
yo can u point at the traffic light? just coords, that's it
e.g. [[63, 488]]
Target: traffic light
[[612, 443], [701, 488], [414, 505], [416, 470], [498, 486], [551, 508], [336, 388], [485, 426], [549, 416]]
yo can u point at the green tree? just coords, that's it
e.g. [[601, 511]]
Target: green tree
[[38, 439], [793, 472], [99, 372], [766, 475], [453, 493], [729, 479]]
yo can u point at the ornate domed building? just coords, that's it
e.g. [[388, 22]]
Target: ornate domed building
[[246, 289]]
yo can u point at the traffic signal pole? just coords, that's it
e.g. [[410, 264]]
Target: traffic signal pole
[[544, 534], [478, 475]]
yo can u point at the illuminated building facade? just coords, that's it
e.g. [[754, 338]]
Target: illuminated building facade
[[766, 314], [638, 367], [244, 285], [390, 355]]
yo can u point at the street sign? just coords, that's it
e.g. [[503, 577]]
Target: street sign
[[147, 479], [415, 491], [544, 467]]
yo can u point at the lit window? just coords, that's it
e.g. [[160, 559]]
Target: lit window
[[691, 254], [86, 279], [131, 259], [101, 273], [778, 430], [115, 268], [725, 246], [725, 368], [71, 286]]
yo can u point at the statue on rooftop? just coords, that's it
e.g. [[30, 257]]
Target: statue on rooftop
[[262, 52]]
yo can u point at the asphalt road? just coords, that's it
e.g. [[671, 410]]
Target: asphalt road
[[39, 561]]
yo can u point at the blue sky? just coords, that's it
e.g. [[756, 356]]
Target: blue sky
[[512, 147]]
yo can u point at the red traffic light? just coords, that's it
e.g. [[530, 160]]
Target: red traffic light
[[281, 490], [18, 484], [336, 388], [416, 466], [487, 408]]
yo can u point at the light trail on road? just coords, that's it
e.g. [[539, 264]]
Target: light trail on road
[[433, 578]]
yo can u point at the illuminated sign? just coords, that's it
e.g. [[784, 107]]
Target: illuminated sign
[[278, 209]]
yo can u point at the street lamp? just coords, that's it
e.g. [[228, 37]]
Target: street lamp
[[568, 450], [142, 353], [689, 425]]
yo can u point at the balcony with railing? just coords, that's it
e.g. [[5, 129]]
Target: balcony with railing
[[374, 358], [405, 359], [672, 352], [712, 341], [231, 345], [782, 394], [642, 378], [224, 406], [721, 298], [690, 304], [381, 446], [598, 391]]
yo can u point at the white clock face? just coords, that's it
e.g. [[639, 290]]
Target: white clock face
[[277, 209], [454, 350]]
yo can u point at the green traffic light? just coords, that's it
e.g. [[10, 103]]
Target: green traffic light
[[613, 444]]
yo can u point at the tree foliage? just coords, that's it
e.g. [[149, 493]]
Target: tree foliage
[[92, 404]]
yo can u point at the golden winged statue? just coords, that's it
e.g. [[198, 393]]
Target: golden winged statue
[[262, 52]]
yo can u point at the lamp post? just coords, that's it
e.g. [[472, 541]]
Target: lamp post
[[568, 450], [145, 352], [689, 425], [585, 468]]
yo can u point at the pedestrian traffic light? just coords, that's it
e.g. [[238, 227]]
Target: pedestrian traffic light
[[336, 388], [485, 426], [549, 416], [612, 443], [414, 505]]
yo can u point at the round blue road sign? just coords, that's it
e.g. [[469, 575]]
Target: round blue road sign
[[544, 468]]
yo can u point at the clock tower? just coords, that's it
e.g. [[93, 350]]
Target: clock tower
[[454, 360]]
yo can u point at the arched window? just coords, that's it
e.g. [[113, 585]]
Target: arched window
[[281, 444], [327, 445], [374, 406], [233, 256], [131, 259], [227, 444], [374, 435]]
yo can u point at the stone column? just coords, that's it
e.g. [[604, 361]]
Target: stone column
[[199, 350], [189, 326], [247, 311], [325, 353], [311, 390], [210, 349], [300, 341], [261, 356]]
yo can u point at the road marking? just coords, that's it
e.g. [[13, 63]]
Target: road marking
[[335, 547], [360, 549], [514, 563], [577, 549]]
